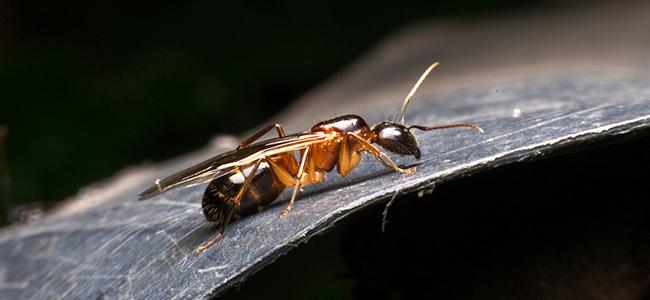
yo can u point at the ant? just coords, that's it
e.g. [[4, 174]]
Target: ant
[[249, 178]]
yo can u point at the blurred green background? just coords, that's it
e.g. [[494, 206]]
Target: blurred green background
[[90, 87]]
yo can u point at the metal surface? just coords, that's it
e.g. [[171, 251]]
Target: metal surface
[[123, 248], [532, 101]]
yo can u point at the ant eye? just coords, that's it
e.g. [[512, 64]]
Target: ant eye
[[396, 138]]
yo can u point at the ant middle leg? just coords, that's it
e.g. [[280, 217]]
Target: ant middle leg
[[260, 133], [293, 177], [297, 182]]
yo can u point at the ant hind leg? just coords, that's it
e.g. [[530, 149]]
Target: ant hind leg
[[231, 207], [217, 237]]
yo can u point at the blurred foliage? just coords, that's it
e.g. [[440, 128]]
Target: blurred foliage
[[88, 88]]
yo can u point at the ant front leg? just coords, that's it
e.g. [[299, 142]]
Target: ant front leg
[[381, 156], [260, 133], [349, 156]]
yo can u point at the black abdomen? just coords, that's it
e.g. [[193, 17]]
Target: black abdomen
[[219, 196]]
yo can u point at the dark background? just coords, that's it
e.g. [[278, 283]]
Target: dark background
[[88, 88]]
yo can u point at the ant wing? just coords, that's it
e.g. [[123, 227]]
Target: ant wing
[[227, 162], [199, 173]]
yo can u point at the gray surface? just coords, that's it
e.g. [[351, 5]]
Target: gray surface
[[122, 248], [575, 77]]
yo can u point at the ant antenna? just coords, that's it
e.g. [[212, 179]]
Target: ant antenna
[[415, 88], [479, 129]]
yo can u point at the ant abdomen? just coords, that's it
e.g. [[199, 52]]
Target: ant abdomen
[[219, 197]]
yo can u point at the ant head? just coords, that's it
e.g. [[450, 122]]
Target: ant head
[[396, 138]]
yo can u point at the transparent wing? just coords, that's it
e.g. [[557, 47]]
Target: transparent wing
[[228, 162], [199, 173]]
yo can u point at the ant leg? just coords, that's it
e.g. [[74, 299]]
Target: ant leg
[[349, 156], [297, 184], [260, 133], [233, 207], [381, 156], [217, 237], [315, 176]]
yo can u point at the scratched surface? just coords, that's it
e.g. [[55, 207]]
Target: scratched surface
[[538, 84], [118, 247]]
